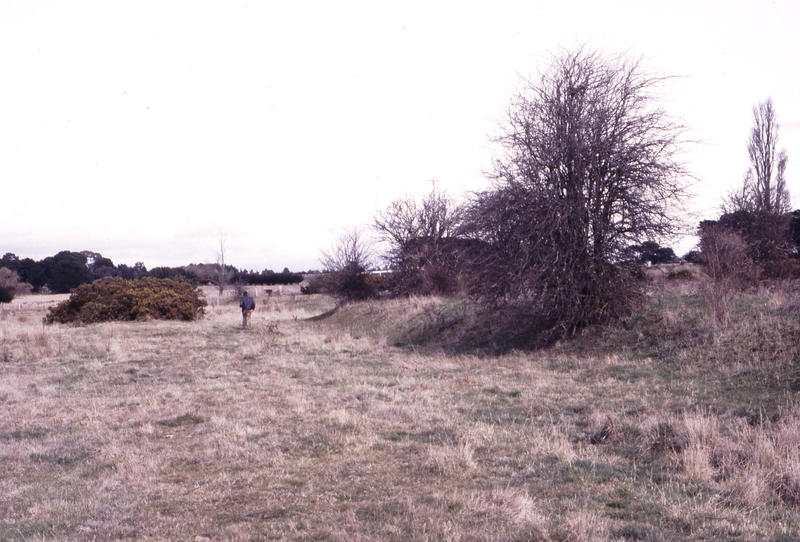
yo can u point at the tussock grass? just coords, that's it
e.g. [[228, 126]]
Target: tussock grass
[[666, 428]]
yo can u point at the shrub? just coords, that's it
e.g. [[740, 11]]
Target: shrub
[[381, 283], [120, 299], [351, 283], [9, 281], [681, 274], [693, 256], [318, 283], [729, 266], [6, 296], [347, 264], [769, 237]]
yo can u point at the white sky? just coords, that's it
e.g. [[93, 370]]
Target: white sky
[[144, 130]]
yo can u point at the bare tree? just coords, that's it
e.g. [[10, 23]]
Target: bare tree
[[589, 168], [223, 275], [423, 248], [764, 187], [347, 262]]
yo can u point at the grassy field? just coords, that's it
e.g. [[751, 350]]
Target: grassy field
[[668, 428]]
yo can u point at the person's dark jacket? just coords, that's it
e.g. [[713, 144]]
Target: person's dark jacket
[[247, 303]]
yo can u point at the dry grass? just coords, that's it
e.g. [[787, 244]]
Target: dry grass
[[671, 429]]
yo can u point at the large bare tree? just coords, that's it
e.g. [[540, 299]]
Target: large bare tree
[[588, 168], [764, 187]]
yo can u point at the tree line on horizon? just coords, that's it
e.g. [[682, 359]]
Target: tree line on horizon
[[66, 270]]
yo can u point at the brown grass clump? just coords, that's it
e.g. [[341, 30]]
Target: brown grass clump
[[668, 428]]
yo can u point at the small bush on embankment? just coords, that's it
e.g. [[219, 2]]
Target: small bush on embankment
[[115, 299]]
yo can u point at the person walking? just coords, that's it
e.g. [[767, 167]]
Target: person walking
[[248, 305]]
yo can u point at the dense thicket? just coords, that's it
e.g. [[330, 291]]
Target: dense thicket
[[423, 247], [769, 239], [114, 298]]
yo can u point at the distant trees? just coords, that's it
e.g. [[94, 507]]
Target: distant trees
[[268, 276], [28, 270], [764, 187], [136, 271], [99, 266], [32, 272], [60, 273], [589, 168], [66, 270], [187, 273], [653, 253], [9, 277]]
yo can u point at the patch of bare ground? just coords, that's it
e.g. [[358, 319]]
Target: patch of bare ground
[[665, 429]]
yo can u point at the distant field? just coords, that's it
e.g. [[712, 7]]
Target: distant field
[[664, 429]]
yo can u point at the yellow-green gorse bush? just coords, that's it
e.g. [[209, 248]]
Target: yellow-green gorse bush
[[114, 298]]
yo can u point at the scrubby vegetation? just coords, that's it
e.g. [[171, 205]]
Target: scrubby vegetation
[[6, 295], [347, 264], [114, 298], [10, 285]]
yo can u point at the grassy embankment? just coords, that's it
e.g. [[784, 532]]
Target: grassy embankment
[[666, 429]]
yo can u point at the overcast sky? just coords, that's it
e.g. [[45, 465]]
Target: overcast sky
[[147, 130]]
